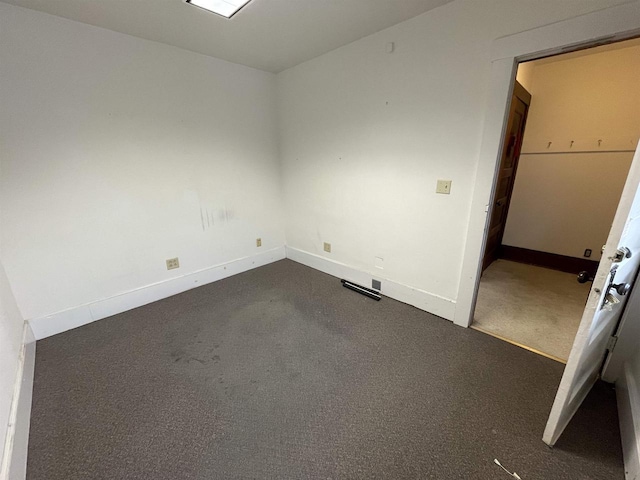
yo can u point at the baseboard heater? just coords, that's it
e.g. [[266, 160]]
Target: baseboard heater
[[367, 292]]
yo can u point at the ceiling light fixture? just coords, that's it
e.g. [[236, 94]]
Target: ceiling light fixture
[[224, 8]]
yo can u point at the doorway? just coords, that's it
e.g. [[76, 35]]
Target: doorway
[[572, 128]]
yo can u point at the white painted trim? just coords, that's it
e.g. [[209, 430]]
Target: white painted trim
[[617, 22], [83, 314], [430, 302], [14, 461], [500, 90], [611, 24], [628, 396]]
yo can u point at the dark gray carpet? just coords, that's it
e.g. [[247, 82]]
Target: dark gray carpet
[[283, 373]]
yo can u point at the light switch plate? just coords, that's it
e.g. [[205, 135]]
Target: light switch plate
[[443, 186], [327, 247]]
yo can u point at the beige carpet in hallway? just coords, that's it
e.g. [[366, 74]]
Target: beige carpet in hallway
[[534, 306]]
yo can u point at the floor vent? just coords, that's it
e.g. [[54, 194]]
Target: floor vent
[[367, 292]]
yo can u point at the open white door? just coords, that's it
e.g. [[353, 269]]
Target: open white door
[[606, 302]]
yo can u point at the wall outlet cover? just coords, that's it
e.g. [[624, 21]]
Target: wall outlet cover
[[443, 186], [587, 252], [258, 242], [327, 247], [376, 285], [173, 263]]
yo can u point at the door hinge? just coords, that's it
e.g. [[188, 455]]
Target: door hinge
[[611, 344]]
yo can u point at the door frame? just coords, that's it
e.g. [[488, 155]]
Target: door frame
[[597, 28]]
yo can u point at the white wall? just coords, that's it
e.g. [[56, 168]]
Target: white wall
[[623, 369], [627, 381], [632, 428], [11, 332], [366, 134], [560, 203], [119, 153], [629, 386], [11, 327]]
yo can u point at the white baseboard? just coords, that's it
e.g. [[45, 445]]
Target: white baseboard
[[75, 317], [14, 461], [83, 314], [429, 302], [628, 396]]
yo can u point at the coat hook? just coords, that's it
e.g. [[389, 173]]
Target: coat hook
[[549, 145], [571, 146]]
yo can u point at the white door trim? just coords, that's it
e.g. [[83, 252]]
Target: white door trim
[[604, 26]]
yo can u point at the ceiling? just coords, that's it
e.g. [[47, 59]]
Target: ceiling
[[271, 35]]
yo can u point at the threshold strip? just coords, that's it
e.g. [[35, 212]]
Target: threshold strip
[[512, 342]]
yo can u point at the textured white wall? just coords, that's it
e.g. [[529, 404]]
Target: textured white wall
[[119, 153], [565, 203], [366, 134]]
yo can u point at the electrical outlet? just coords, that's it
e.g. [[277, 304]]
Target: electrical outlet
[[376, 284], [587, 252], [173, 263], [258, 242], [327, 247], [443, 186]]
